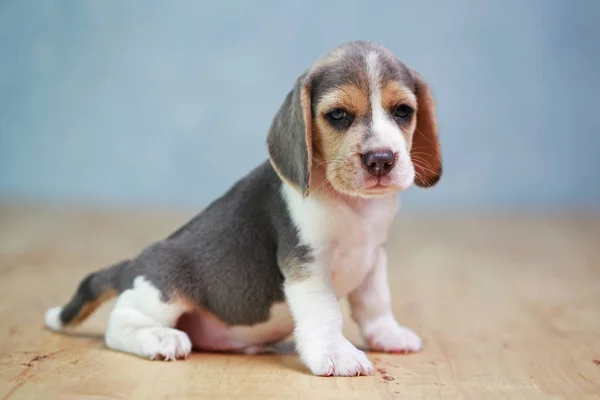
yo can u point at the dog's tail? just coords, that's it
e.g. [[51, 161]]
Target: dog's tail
[[94, 290]]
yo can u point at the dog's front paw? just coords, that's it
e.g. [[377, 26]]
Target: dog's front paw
[[336, 358], [386, 335]]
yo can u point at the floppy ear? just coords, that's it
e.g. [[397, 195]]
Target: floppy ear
[[425, 151], [289, 140]]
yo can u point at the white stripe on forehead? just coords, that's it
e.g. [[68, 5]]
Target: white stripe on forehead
[[386, 133], [372, 60]]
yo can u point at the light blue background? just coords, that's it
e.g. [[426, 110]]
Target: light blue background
[[168, 102]]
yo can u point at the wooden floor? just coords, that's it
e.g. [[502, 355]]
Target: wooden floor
[[508, 307]]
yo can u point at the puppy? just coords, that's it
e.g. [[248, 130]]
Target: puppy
[[273, 255]]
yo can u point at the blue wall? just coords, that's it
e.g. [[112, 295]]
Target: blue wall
[[168, 103]]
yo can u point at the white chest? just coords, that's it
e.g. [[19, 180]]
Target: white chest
[[346, 236], [353, 241]]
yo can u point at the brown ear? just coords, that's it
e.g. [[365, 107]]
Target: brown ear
[[289, 140], [425, 151]]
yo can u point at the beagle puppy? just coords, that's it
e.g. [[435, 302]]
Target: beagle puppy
[[274, 255]]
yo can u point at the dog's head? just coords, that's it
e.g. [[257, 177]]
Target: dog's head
[[363, 119]]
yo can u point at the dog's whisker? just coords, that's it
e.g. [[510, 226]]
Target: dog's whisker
[[424, 167]]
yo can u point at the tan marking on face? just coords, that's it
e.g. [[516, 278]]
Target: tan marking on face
[[349, 97], [394, 94], [339, 151]]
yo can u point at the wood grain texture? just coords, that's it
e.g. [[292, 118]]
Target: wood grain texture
[[508, 307]]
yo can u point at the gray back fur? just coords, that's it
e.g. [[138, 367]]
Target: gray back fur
[[227, 259]]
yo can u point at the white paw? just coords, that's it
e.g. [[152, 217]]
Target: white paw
[[163, 343], [386, 335], [336, 358]]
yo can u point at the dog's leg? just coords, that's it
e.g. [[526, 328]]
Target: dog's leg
[[318, 326], [142, 323], [371, 308]]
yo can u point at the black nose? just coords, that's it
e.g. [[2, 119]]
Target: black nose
[[380, 162]]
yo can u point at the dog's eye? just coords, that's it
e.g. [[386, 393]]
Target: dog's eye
[[339, 118], [402, 111], [337, 115]]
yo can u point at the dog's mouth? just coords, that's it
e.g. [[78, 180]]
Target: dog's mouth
[[386, 184], [379, 190]]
